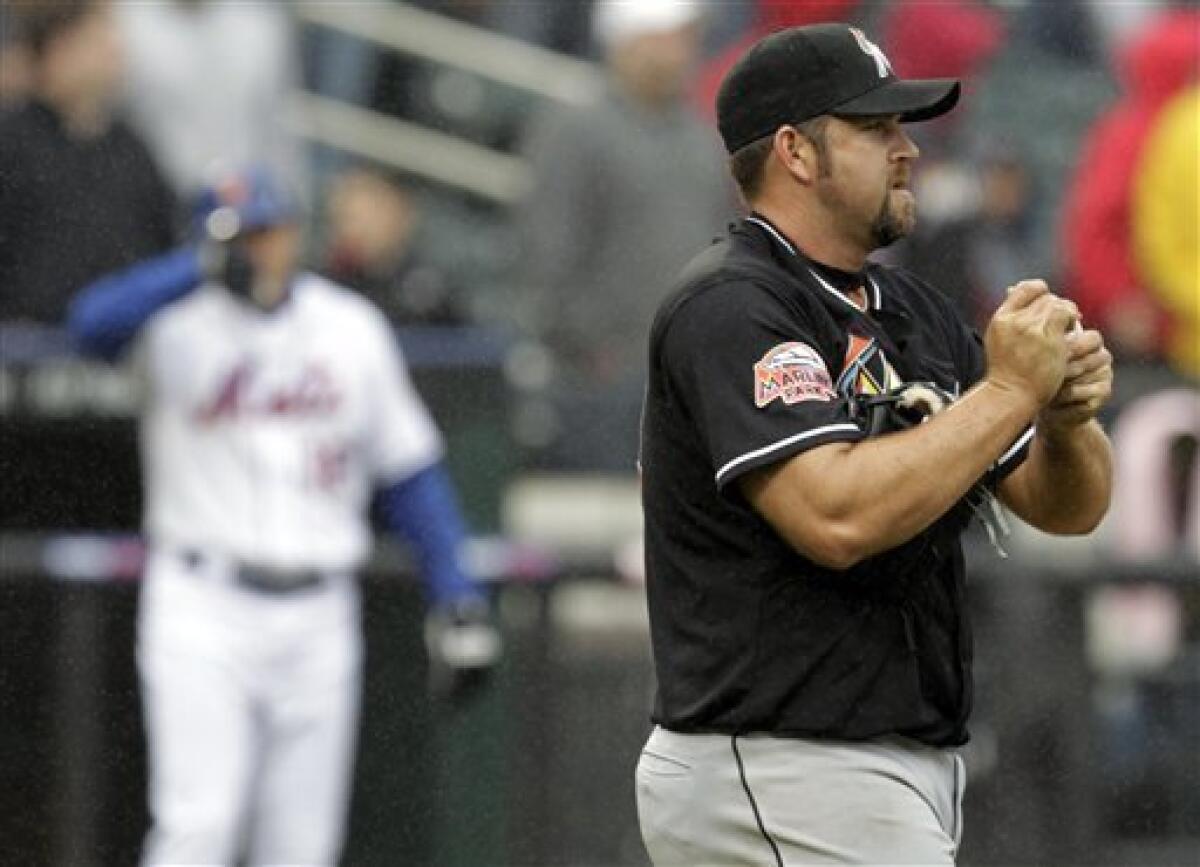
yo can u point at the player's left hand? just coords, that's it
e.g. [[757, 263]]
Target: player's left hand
[[464, 647], [1087, 386]]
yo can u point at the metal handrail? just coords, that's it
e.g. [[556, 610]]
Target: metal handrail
[[442, 40], [416, 149], [409, 147]]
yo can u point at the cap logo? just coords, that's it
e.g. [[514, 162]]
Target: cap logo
[[873, 51]]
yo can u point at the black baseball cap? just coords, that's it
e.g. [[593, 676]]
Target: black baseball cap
[[796, 74]]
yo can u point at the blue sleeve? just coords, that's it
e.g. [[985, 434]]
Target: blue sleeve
[[424, 510], [106, 315]]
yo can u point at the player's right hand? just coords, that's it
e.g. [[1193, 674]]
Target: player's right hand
[[1027, 349], [464, 647], [1087, 386]]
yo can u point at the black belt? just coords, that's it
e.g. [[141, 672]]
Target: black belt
[[262, 579]]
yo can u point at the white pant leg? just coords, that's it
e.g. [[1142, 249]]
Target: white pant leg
[[201, 745], [310, 733]]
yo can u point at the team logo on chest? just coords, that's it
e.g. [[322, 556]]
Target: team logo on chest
[[866, 369], [311, 391], [791, 372]]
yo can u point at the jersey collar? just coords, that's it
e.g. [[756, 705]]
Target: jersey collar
[[870, 286]]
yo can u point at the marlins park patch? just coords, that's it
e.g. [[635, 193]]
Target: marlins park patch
[[791, 372]]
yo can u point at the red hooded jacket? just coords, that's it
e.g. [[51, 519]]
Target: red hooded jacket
[[1096, 232]]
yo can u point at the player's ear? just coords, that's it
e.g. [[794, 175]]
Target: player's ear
[[797, 154]]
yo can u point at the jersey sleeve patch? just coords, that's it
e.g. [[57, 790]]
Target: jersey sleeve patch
[[791, 372]]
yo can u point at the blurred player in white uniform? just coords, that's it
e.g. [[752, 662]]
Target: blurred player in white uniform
[[277, 404]]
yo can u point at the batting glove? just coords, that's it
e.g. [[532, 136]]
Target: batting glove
[[464, 647]]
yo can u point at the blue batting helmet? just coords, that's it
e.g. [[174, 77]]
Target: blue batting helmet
[[242, 201]]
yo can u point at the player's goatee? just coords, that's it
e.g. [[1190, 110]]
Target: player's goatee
[[890, 226]]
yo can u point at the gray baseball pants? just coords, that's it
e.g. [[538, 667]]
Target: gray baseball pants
[[755, 799]]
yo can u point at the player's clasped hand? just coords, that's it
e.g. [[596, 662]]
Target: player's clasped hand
[[1087, 385], [1026, 342]]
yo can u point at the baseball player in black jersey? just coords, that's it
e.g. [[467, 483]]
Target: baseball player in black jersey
[[818, 432]]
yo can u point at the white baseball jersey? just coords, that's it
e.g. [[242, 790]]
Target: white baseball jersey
[[265, 433]]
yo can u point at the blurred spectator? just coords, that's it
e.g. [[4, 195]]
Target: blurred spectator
[[1096, 229], [1117, 22], [207, 85], [969, 34], [625, 189], [1066, 29], [768, 16], [1030, 94], [458, 101], [975, 255], [372, 227], [1166, 224], [560, 26], [16, 73], [79, 193]]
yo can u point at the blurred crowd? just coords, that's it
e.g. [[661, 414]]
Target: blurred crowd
[[1071, 157]]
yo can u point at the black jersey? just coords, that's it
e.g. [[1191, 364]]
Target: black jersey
[[754, 358]]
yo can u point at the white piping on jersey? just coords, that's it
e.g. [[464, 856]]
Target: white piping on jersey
[[774, 233], [841, 296], [1016, 447], [784, 443]]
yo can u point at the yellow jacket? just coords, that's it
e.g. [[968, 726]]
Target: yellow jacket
[[1166, 223]]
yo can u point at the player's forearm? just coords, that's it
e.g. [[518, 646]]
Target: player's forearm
[[1065, 484], [883, 491], [423, 509], [107, 314], [906, 481]]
